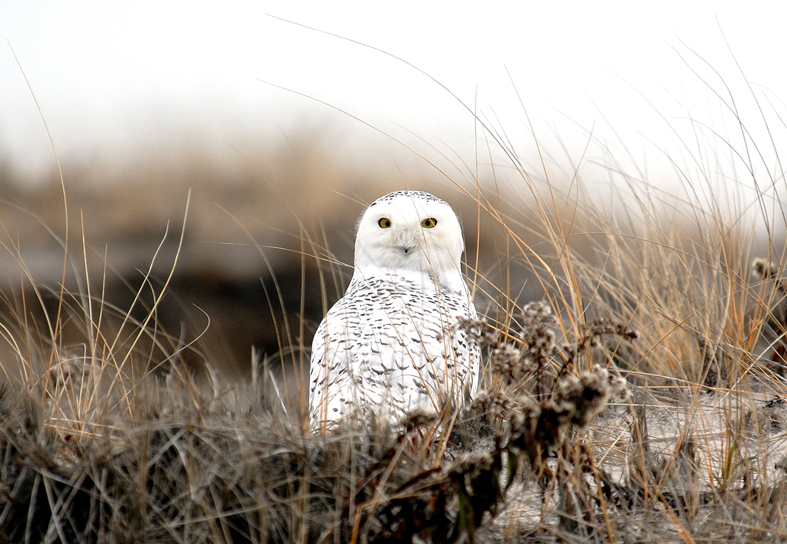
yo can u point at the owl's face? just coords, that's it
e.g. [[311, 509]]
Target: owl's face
[[410, 230]]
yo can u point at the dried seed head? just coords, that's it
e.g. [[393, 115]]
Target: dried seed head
[[763, 268], [471, 464], [602, 326], [494, 404], [554, 421], [521, 419], [618, 388], [543, 345], [538, 313], [474, 328], [538, 339], [505, 352], [506, 361], [588, 393], [417, 419], [768, 270]]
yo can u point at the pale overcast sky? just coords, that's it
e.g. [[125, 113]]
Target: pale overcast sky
[[109, 73]]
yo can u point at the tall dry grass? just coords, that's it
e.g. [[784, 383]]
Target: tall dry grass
[[112, 438]]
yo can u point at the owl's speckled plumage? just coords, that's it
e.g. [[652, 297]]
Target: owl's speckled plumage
[[392, 343]]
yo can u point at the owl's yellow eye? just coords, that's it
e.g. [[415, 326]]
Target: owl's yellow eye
[[429, 223], [384, 223]]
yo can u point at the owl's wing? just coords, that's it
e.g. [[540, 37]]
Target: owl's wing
[[334, 347]]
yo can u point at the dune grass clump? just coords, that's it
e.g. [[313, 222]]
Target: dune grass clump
[[170, 460]]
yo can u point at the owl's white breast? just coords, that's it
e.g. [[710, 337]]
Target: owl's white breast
[[392, 343]]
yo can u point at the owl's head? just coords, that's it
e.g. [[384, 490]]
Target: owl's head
[[410, 230]]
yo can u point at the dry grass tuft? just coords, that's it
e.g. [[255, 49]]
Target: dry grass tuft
[[178, 462]]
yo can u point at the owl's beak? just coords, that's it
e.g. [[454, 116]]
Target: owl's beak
[[405, 240]]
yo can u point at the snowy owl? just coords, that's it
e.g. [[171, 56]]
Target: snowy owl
[[393, 343]]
